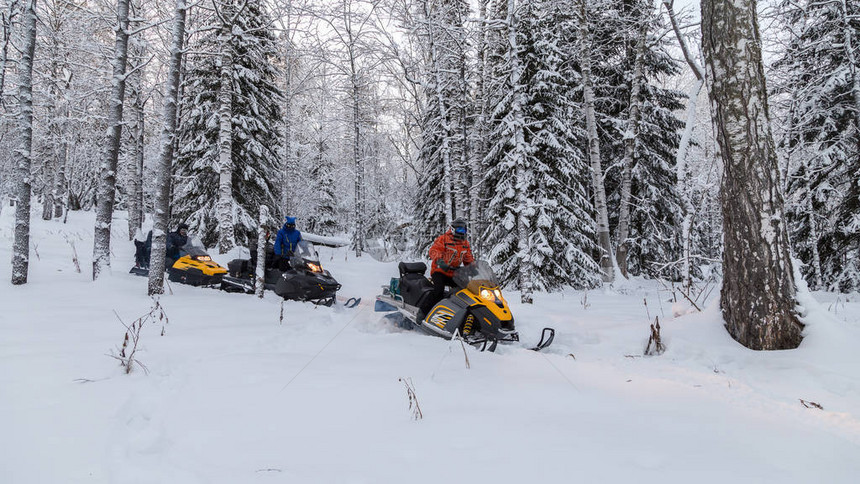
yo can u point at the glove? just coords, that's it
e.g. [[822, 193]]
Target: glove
[[440, 263]]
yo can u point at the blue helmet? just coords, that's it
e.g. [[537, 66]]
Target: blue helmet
[[290, 222]]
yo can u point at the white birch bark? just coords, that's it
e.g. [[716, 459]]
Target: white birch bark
[[355, 98], [683, 147], [23, 155], [168, 136], [260, 270], [6, 26], [107, 176], [607, 264], [289, 165], [226, 234], [758, 294], [524, 241], [631, 137], [443, 114], [136, 125]]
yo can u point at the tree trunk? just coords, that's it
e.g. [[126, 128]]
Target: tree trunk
[[603, 241], [681, 158], [165, 161], [107, 177], [631, 137], [260, 270], [758, 293], [23, 155], [448, 175], [226, 235], [135, 158]]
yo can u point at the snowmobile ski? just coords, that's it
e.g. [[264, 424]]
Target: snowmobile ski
[[352, 302], [546, 337]]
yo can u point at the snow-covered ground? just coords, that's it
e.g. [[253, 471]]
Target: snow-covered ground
[[235, 395]]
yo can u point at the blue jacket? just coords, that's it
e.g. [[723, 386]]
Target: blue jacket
[[286, 241]]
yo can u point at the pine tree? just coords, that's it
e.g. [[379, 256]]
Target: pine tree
[[256, 128]]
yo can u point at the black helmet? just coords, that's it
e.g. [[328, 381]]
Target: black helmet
[[182, 226], [458, 228]]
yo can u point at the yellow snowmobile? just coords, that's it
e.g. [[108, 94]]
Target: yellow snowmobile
[[195, 267]]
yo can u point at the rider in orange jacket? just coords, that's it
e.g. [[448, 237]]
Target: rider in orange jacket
[[448, 252]]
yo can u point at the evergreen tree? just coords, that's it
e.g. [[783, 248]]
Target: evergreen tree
[[820, 76], [533, 158], [256, 127]]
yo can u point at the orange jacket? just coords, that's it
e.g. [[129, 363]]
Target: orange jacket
[[454, 252]]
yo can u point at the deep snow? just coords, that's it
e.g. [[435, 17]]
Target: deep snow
[[233, 395]]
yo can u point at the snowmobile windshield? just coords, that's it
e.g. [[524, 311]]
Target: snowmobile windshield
[[193, 248], [306, 256], [476, 275]]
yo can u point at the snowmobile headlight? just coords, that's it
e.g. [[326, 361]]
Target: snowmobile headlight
[[498, 294], [203, 258], [314, 267], [486, 294]]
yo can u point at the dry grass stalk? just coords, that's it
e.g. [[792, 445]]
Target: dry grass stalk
[[413, 399], [127, 352]]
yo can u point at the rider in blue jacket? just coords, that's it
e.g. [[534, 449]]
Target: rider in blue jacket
[[285, 243]]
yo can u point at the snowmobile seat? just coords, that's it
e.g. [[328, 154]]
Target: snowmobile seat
[[413, 287], [412, 268]]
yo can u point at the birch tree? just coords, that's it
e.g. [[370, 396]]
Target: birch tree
[[607, 264], [758, 293], [167, 142], [684, 145], [23, 155], [107, 177]]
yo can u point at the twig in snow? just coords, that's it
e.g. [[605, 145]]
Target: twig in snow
[[809, 404], [647, 312], [655, 338], [462, 345]]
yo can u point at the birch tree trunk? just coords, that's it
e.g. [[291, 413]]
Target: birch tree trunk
[[23, 155], [758, 293], [444, 112], [481, 145], [289, 167], [522, 172], [260, 270], [107, 177], [165, 161], [226, 235], [681, 158], [6, 26], [358, 162], [631, 137], [603, 241], [135, 158]]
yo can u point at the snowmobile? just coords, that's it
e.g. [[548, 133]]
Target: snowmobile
[[193, 267], [305, 280], [476, 309]]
